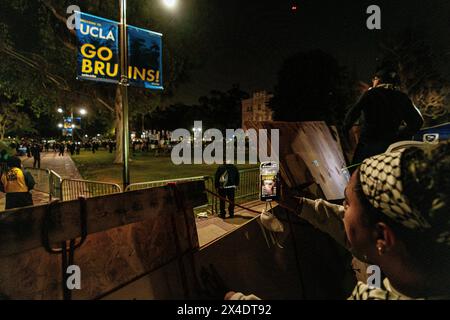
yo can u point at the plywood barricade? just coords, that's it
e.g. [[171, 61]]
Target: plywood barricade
[[304, 264], [144, 244], [128, 235]]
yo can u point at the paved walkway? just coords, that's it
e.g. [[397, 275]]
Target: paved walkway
[[213, 227], [64, 166]]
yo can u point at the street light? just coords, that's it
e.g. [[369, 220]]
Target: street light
[[82, 112], [170, 3]]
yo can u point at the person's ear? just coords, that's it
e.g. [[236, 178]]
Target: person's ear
[[385, 238]]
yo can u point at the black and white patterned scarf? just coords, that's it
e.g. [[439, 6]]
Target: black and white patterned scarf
[[381, 181]]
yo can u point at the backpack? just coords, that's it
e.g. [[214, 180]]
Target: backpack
[[223, 180]]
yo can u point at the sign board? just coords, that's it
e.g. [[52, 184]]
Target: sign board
[[98, 52]]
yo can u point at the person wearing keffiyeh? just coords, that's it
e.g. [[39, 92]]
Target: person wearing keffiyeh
[[396, 215]]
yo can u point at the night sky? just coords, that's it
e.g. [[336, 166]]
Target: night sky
[[247, 40]]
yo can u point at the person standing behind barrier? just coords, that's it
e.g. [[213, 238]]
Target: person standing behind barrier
[[384, 108], [28, 147], [3, 160], [72, 148], [61, 149], [36, 153], [17, 184], [226, 181]]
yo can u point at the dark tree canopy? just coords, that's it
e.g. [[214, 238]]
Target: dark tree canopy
[[38, 56], [221, 110], [420, 67], [312, 86]]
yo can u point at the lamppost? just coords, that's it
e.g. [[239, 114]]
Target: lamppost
[[81, 111], [124, 84], [124, 90]]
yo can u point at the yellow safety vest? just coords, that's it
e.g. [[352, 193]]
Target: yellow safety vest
[[14, 181]]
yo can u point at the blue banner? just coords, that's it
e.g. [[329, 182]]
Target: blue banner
[[98, 52], [144, 58], [98, 48]]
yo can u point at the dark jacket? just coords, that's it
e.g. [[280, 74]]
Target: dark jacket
[[384, 110], [36, 152], [233, 175]]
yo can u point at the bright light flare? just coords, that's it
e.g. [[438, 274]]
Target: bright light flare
[[171, 4]]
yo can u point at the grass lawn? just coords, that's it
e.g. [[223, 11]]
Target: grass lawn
[[143, 167]]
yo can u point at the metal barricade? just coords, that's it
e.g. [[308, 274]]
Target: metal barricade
[[41, 178], [209, 184], [55, 182], [159, 183], [73, 189], [249, 184]]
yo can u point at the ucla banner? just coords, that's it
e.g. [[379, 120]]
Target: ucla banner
[[144, 58], [98, 48], [98, 52]]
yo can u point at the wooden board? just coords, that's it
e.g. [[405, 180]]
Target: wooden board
[[309, 152], [249, 261], [130, 234], [21, 229]]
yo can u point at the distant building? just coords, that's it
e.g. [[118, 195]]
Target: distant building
[[256, 108]]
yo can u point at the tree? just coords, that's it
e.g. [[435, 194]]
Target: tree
[[12, 119], [38, 57], [221, 110], [312, 86], [418, 66]]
